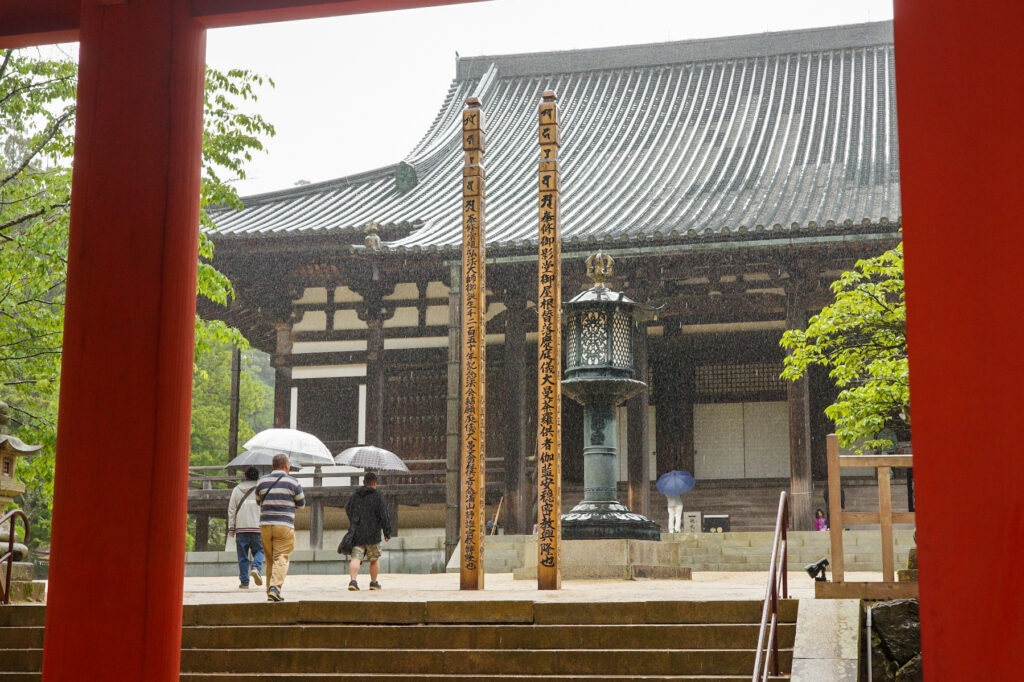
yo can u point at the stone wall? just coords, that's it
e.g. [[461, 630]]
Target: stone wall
[[412, 554], [743, 551], [896, 641]]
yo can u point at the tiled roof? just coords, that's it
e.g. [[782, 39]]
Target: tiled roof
[[791, 131]]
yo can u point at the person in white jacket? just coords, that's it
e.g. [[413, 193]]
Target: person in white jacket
[[244, 525]]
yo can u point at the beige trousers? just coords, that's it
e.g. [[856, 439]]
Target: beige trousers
[[278, 543]]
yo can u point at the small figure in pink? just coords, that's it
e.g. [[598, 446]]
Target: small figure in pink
[[819, 520]]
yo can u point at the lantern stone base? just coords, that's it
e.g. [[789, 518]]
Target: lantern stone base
[[613, 559], [590, 520]]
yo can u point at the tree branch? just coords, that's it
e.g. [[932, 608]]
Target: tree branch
[[7, 60], [28, 216], [50, 134], [32, 416], [30, 338], [31, 355], [27, 381]]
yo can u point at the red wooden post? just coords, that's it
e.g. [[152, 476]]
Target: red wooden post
[[114, 605], [959, 86]]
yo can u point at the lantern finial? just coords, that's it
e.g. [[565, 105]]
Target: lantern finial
[[599, 267]]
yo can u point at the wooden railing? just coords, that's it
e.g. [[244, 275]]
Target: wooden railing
[[885, 517], [778, 583], [8, 558], [421, 471]]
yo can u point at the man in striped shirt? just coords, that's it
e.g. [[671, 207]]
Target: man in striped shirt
[[278, 494]]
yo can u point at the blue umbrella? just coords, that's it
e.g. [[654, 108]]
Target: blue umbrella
[[675, 483]]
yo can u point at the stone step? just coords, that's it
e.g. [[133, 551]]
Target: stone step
[[27, 592], [460, 662], [386, 677], [22, 570], [453, 636], [384, 612], [487, 637], [22, 614], [465, 640], [412, 677]]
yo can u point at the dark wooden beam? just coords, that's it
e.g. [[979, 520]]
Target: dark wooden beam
[[220, 13], [31, 22]]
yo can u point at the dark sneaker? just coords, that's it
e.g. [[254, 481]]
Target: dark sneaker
[[243, 586], [274, 594], [375, 585], [353, 585], [256, 577]]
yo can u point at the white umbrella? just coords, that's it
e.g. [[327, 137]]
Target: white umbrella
[[371, 457], [301, 447], [259, 457]]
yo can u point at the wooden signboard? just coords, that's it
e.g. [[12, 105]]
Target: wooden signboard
[[549, 353], [474, 302]]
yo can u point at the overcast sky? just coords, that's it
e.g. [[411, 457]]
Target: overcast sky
[[357, 92]]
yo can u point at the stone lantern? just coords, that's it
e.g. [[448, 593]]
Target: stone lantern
[[22, 586], [10, 447], [600, 331]]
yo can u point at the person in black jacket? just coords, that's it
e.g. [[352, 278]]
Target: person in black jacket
[[368, 517]]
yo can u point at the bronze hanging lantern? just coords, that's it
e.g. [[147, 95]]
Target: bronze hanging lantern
[[600, 333]]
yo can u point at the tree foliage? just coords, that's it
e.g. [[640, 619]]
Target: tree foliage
[[861, 339], [37, 118], [211, 386]]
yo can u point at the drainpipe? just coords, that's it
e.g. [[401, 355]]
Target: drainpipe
[[867, 644]]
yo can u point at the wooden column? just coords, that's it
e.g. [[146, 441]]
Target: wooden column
[[375, 381], [281, 361], [549, 353], [392, 501], [202, 532], [474, 334], [453, 427], [686, 388], [316, 515], [517, 505], [674, 395], [128, 342], [801, 483], [236, 381], [638, 460]]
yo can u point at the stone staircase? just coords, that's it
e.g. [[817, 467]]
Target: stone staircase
[[471, 641]]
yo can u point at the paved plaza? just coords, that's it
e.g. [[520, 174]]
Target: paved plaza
[[500, 586]]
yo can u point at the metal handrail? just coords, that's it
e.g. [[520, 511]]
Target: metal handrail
[[5, 595], [778, 581]]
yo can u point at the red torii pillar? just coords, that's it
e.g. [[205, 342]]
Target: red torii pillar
[[114, 603], [960, 94]]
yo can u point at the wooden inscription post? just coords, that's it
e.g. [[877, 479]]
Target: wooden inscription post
[[474, 301], [549, 354]]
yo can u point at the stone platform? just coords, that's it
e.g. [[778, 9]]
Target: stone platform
[[726, 552], [612, 559]]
